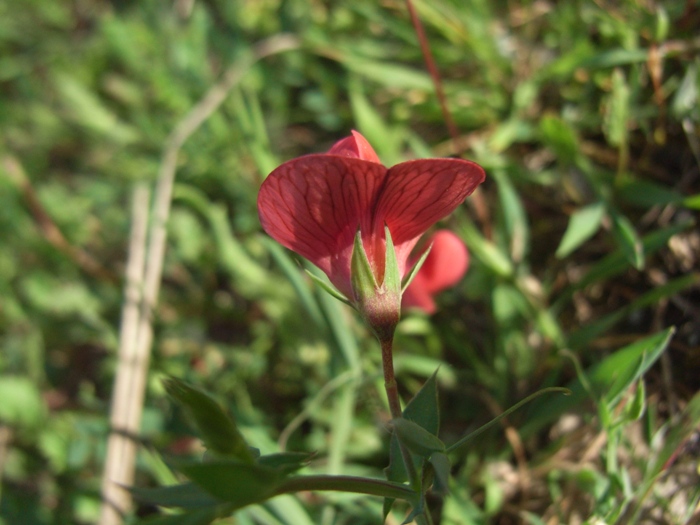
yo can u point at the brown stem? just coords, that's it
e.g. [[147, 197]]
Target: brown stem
[[458, 146], [392, 394]]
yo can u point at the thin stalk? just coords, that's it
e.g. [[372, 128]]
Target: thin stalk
[[357, 485], [458, 147], [392, 393]]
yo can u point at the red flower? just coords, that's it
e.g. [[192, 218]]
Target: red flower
[[445, 265], [315, 205]]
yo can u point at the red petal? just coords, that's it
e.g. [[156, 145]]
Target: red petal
[[446, 263], [313, 205], [419, 193], [355, 147], [416, 296]]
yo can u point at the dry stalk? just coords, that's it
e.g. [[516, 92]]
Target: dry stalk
[[136, 338]]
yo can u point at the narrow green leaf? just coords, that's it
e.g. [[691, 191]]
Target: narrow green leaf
[[239, 484], [583, 224], [645, 193], [617, 114], [486, 251], [465, 439], [514, 215], [286, 462], [615, 263], [441, 467], [185, 495], [295, 278], [560, 136], [636, 407], [217, 429], [416, 438], [628, 240], [580, 338], [424, 409], [202, 516], [609, 379]]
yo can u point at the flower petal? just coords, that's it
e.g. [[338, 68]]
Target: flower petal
[[355, 147], [314, 205], [446, 263], [419, 193], [416, 296]]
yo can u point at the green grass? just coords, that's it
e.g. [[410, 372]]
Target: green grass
[[584, 115]]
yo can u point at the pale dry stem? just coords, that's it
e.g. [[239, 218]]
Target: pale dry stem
[[135, 345]]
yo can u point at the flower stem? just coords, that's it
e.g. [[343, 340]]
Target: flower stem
[[392, 393]]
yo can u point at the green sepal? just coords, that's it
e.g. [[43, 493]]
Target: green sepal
[[392, 276], [364, 284], [328, 288], [218, 431], [413, 271]]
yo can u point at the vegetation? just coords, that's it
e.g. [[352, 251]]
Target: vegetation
[[583, 240]]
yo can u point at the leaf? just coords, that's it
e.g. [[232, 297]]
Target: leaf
[[417, 439], [441, 467], [87, 109], [423, 409], [607, 379], [196, 517], [514, 215], [218, 430], [583, 224], [286, 462], [628, 240], [560, 137], [239, 484], [645, 193], [635, 408], [22, 404], [581, 337], [617, 114], [389, 74], [185, 495], [615, 263]]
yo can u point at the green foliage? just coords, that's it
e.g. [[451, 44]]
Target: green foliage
[[584, 262]]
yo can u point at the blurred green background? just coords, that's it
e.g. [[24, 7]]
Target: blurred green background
[[584, 250]]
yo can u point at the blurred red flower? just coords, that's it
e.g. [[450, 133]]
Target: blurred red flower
[[315, 204], [445, 265]]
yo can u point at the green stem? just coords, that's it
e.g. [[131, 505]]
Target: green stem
[[512, 409], [358, 485], [392, 393]]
